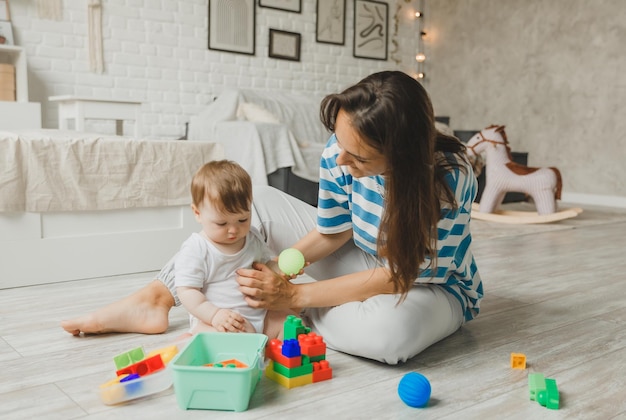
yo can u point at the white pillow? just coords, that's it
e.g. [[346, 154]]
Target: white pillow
[[255, 113], [444, 128]]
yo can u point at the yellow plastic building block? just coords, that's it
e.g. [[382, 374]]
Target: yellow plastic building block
[[285, 381], [167, 353], [518, 361], [110, 392]]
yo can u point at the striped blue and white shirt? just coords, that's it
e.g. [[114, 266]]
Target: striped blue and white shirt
[[357, 203]]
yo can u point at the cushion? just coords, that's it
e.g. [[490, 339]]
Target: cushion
[[255, 113]]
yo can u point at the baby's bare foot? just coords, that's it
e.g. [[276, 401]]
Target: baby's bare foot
[[145, 311], [86, 324]]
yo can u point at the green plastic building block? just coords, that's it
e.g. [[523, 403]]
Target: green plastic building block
[[293, 327], [128, 358], [549, 397], [285, 381], [293, 372], [316, 358], [536, 384]]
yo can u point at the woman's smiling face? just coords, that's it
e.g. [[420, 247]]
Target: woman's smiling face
[[360, 158]]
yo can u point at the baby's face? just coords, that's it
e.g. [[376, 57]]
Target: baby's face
[[223, 229]]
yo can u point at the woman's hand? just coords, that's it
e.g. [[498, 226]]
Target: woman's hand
[[264, 288]]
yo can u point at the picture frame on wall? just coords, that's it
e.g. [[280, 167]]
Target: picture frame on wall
[[232, 26], [287, 5], [5, 12], [371, 29], [6, 33], [331, 22], [284, 45]]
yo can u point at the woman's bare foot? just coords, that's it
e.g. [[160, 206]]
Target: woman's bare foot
[[145, 311]]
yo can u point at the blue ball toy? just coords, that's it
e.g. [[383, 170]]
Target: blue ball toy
[[414, 389]]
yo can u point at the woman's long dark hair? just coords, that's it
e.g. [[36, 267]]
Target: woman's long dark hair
[[393, 114]]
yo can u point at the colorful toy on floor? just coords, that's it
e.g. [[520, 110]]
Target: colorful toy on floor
[[518, 361], [231, 363], [298, 360], [129, 357], [543, 390], [138, 375], [503, 175], [414, 389], [291, 261], [230, 387]]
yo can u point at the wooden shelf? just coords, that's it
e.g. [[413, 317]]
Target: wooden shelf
[[11, 54], [20, 114]]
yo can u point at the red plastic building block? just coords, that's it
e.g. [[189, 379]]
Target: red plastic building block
[[312, 344], [143, 367], [274, 352], [322, 371]]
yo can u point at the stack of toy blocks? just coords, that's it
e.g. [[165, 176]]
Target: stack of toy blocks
[[298, 360]]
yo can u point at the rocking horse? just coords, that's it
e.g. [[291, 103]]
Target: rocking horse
[[503, 175]]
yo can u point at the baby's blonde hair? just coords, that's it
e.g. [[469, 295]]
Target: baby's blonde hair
[[225, 184]]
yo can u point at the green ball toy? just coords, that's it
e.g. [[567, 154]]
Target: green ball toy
[[291, 261]]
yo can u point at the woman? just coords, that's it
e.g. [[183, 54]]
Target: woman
[[391, 236]]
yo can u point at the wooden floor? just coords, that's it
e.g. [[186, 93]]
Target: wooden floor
[[553, 292]]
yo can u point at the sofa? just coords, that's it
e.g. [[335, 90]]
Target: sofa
[[277, 137]]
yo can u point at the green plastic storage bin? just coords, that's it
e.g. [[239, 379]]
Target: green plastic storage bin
[[218, 388]]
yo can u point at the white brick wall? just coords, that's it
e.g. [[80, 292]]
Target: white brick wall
[[155, 51]]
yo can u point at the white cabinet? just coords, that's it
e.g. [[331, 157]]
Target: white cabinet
[[20, 114]]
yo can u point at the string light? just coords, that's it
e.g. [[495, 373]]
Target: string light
[[420, 57]]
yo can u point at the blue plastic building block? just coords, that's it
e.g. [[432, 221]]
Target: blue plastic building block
[[133, 386], [291, 348]]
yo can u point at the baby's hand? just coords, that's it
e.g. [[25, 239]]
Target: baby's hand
[[226, 320]]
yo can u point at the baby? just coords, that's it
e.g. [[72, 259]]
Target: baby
[[205, 267]]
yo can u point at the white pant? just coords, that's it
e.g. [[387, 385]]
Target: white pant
[[377, 328]]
